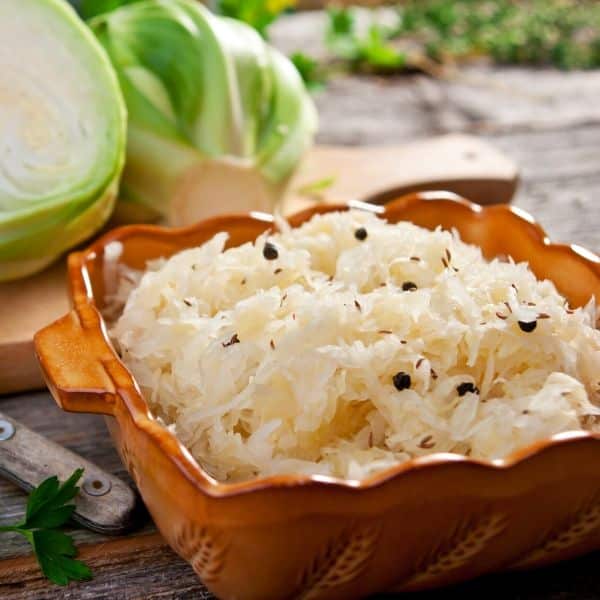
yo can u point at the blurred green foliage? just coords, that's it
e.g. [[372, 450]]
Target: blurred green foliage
[[430, 34], [256, 13], [372, 49], [311, 71], [563, 33]]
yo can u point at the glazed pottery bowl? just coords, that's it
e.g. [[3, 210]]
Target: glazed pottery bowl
[[429, 522]]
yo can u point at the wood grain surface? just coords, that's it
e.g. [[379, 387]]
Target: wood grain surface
[[26, 305], [548, 121]]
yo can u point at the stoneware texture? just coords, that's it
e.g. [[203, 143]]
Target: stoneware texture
[[430, 522]]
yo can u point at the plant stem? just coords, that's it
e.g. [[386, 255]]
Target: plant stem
[[12, 528]]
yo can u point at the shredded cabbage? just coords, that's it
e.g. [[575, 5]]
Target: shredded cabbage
[[287, 365]]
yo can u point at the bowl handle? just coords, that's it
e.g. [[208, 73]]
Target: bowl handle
[[78, 364]]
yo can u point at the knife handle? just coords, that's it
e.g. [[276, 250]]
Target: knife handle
[[104, 503]]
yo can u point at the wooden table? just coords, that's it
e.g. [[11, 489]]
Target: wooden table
[[548, 121]]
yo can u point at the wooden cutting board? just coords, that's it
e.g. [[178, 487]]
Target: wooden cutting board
[[463, 164]]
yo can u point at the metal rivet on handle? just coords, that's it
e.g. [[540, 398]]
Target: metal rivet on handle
[[7, 430], [96, 486]]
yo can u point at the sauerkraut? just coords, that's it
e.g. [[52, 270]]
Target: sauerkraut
[[348, 345]]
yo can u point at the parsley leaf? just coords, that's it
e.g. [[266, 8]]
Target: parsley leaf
[[46, 506], [55, 551], [47, 509]]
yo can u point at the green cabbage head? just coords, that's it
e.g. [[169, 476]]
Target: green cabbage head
[[62, 134], [218, 119]]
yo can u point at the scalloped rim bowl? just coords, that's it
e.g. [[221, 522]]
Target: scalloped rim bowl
[[218, 526]]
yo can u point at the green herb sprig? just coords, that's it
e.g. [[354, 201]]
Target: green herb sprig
[[47, 509]]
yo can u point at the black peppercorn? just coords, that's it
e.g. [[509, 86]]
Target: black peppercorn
[[360, 234], [270, 251], [401, 380], [409, 286], [466, 387], [527, 326]]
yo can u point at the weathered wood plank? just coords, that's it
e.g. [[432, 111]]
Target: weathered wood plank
[[152, 570], [548, 121]]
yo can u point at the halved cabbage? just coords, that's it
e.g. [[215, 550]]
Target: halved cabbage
[[62, 134], [218, 119]]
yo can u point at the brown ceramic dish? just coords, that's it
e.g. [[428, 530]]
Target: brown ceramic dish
[[426, 523]]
